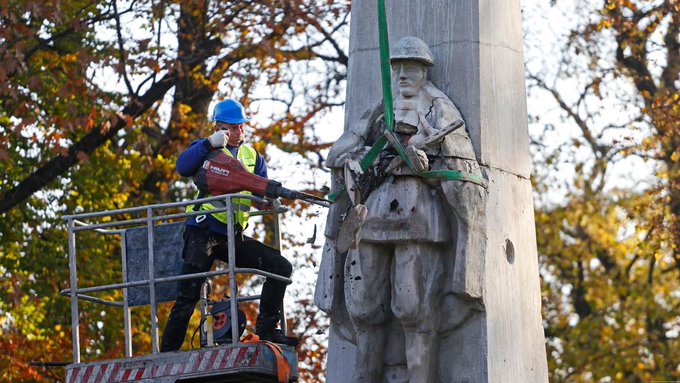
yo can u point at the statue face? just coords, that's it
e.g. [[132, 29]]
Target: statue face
[[411, 75]]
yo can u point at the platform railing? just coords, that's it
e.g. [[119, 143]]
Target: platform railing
[[77, 223]]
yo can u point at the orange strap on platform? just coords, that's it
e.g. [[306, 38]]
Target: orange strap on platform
[[282, 367]]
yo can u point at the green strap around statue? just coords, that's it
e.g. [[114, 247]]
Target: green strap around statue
[[373, 153]]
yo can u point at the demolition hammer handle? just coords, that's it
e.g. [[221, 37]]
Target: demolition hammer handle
[[275, 190]]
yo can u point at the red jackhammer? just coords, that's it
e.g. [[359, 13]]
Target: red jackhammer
[[223, 174]]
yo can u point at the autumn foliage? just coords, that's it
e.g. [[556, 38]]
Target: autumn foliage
[[610, 247]]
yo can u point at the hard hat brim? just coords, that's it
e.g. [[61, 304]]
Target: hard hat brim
[[416, 59], [227, 121]]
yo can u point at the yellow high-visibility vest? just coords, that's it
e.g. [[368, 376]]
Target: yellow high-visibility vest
[[241, 206]]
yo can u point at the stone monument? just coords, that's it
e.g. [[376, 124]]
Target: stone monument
[[433, 279]]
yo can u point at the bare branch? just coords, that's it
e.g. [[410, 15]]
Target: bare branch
[[121, 49], [672, 40], [598, 149], [93, 139]]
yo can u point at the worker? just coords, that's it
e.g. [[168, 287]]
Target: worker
[[205, 236]]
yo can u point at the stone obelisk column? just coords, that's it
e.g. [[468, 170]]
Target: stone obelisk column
[[477, 46]]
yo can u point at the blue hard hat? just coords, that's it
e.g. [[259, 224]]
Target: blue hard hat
[[229, 112]]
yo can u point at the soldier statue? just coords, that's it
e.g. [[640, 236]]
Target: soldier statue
[[403, 264]]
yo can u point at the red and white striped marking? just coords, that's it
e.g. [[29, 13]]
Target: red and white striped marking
[[126, 371]]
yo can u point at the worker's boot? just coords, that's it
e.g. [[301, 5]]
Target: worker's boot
[[265, 328]]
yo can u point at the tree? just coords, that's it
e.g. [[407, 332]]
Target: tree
[[609, 249], [96, 100]]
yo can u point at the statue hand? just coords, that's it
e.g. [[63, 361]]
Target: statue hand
[[424, 125], [418, 158], [425, 131]]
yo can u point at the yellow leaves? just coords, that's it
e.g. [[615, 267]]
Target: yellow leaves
[[69, 58], [119, 199], [628, 4], [675, 156], [603, 24], [59, 331], [259, 146], [605, 246], [124, 163], [162, 187], [184, 109]]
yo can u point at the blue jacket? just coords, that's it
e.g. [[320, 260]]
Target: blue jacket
[[190, 160]]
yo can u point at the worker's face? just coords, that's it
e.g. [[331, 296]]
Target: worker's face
[[235, 132], [411, 75]]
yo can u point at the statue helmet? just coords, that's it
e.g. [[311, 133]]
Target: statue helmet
[[411, 48], [229, 112]]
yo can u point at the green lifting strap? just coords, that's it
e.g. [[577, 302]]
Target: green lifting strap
[[389, 136], [385, 66]]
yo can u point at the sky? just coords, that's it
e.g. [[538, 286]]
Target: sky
[[546, 32]]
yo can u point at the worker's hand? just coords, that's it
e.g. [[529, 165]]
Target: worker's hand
[[219, 139]]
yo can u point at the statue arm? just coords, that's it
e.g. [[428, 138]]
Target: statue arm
[[350, 146], [354, 139], [347, 144]]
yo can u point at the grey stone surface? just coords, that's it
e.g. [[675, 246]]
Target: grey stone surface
[[516, 351], [478, 64]]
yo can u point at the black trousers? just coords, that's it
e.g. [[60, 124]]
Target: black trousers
[[201, 248]]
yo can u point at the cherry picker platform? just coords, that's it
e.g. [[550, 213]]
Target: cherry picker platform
[[244, 362], [151, 259]]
